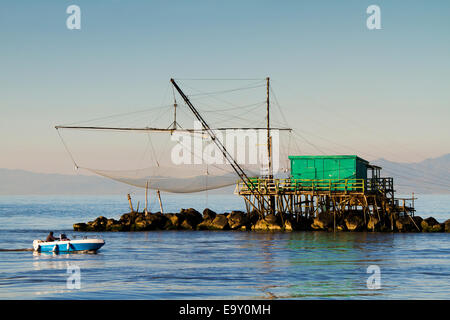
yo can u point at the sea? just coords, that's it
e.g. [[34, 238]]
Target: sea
[[215, 264]]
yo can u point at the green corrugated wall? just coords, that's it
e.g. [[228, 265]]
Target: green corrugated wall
[[328, 167]]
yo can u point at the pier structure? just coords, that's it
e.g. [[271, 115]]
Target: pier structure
[[336, 184], [308, 192]]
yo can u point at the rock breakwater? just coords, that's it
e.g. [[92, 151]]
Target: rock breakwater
[[191, 219]]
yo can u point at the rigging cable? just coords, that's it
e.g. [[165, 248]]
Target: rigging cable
[[67, 149]]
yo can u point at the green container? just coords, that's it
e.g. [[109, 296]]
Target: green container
[[328, 167]]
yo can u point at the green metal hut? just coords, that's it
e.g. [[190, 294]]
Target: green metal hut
[[341, 171], [328, 167]]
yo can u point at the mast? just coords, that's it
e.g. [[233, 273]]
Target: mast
[[174, 110], [239, 171], [269, 148], [175, 115]]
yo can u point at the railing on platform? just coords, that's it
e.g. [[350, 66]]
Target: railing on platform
[[405, 204], [292, 185], [382, 185]]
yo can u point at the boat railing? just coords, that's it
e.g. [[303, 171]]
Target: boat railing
[[84, 237]]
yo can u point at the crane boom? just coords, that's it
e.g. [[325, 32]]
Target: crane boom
[[239, 171]]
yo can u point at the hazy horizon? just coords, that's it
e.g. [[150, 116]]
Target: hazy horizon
[[344, 88], [84, 172]]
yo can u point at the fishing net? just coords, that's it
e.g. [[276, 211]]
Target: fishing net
[[165, 147]]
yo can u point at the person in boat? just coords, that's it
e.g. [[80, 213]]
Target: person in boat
[[64, 237], [50, 237]]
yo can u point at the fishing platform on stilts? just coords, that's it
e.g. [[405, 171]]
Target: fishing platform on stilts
[[307, 193]]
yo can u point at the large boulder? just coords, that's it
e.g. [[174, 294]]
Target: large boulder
[[288, 225], [271, 218], [205, 225], [208, 214], [323, 221], [140, 225], [126, 220], [110, 222], [407, 224], [269, 223], [114, 225], [187, 225], [156, 221], [173, 221], [431, 225], [98, 224], [90, 226], [263, 225], [80, 227], [146, 222], [418, 222], [237, 220], [302, 223], [191, 218], [253, 217], [159, 220], [220, 222], [354, 222], [447, 225], [373, 224]]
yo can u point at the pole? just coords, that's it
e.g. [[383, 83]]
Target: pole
[[130, 203], [175, 115], [269, 147], [146, 197], [159, 199], [174, 109]]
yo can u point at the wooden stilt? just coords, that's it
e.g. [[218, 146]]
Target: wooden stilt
[[130, 203], [159, 199], [334, 220]]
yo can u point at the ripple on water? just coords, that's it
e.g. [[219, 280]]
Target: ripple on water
[[213, 265]]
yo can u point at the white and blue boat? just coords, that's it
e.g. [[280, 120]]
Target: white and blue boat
[[83, 245]]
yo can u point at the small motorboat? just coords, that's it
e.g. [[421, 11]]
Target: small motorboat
[[66, 245]]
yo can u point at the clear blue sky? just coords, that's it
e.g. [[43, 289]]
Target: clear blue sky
[[380, 93]]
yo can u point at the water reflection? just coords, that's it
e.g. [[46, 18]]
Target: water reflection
[[307, 264], [214, 265], [198, 265]]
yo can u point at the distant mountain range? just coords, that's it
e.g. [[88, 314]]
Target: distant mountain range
[[428, 176], [26, 182]]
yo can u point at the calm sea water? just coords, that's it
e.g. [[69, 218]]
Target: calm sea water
[[215, 265]]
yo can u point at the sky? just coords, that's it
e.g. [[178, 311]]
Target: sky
[[344, 88]]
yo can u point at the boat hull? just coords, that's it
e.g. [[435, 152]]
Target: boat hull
[[68, 246]]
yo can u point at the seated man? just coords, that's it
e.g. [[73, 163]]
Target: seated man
[[63, 237], [50, 237]]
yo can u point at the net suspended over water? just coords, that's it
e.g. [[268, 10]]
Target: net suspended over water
[[165, 147]]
